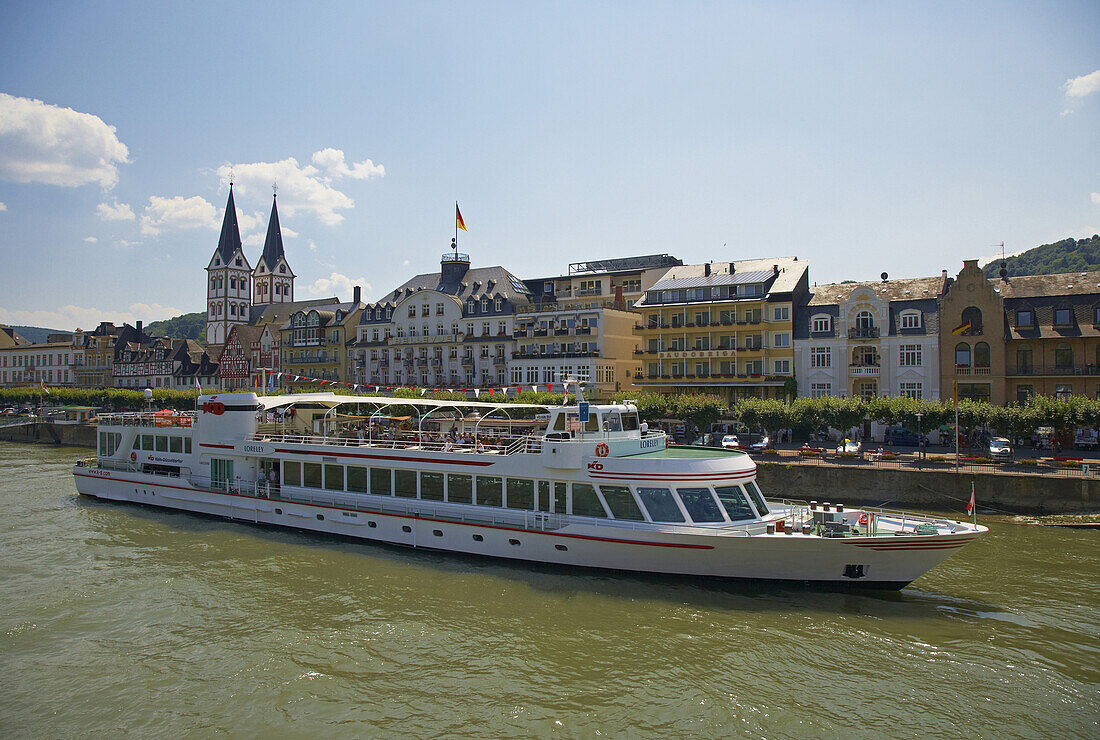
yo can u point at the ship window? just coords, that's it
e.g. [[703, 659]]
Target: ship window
[[404, 483], [733, 499], [630, 422], [585, 501], [147, 442], [521, 494], [175, 444], [621, 503], [559, 423], [459, 489], [757, 498], [292, 473], [478, 538], [187, 445], [660, 504], [543, 503], [380, 482], [561, 498], [357, 479], [311, 475], [162, 443], [431, 486], [489, 490], [334, 477], [700, 505], [406, 529], [563, 548]]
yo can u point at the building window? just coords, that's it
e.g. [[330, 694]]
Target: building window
[[868, 390], [864, 320], [1062, 317], [910, 355], [822, 324], [782, 313], [1063, 391], [782, 367], [782, 340], [1024, 318], [821, 357], [910, 320], [1063, 356], [1024, 362], [1024, 393], [911, 390], [981, 355], [962, 355], [972, 316]]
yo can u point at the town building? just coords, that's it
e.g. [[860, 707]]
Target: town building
[[318, 342], [446, 329], [622, 281], [48, 362], [143, 361], [10, 337], [721, 328], [239, 355], [272, 280], [195, 366], [94, 363], [870, 339], [1006, 339]]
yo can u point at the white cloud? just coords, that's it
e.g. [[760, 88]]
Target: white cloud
[[72, 317], [1079, 87], [125, 244], [303, 188], [337, 284], [57, 146], [114, 211], [1095, 198], [312, 246], [3, 207], [405, 263], [177, 212], [288, 233], [90, 239], [335, 166]]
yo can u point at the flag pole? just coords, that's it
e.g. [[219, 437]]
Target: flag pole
[[956, 424], [456, 227]]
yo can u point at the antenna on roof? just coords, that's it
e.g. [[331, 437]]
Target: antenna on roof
[[275, 187], [1004, 264]]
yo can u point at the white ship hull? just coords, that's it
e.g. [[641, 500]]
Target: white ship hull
[[638, 547]]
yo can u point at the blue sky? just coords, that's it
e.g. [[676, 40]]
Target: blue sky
[[864, 137]]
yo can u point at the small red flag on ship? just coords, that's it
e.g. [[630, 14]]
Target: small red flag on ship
[[970, 504]]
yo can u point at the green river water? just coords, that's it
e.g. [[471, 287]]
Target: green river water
[[121, 620]]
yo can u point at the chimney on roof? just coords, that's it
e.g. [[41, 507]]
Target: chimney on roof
[[733, 268], [775, 269], [356, 294], [706, 270], [137, 325]]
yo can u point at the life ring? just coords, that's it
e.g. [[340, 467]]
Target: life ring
[[602, 450], [133, 457], [863, 518]]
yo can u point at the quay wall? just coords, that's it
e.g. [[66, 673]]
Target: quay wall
[[930, 490], [73, 435]]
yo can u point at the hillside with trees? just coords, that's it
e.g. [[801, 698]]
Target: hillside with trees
[[187, 326], [1068, 255]]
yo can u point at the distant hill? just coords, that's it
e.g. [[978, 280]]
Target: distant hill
[[1068, 255], [187, 326], [37, 334]]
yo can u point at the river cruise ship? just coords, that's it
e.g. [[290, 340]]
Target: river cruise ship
[[583, 485]]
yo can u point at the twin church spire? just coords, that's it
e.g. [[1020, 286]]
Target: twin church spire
[[233, 287]]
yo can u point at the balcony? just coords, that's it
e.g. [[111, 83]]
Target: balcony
[[468, 361], [499, 360], [1055, 370], [584, 330], [866, 332], [561, 332], [864, 371]]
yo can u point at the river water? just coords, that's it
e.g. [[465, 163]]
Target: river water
[[117, 619]]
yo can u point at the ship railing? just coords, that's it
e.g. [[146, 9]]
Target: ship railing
[[503, 445], [148, 419], [802, 512]]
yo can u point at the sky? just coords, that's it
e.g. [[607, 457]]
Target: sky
[[863, 137]]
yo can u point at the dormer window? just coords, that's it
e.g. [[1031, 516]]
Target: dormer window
[[282, 269], [822, 324], [485, 305], [1096, 314], [498, 304], [1063, 317], [910, 320], [471, 306], [238, 263], [1025, 317]]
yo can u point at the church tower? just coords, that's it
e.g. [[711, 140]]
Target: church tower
[[229, 279], [272, 280]]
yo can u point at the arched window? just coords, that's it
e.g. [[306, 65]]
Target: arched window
[[962, 354], [1063, 356], [981, 355], [864, 320], [973, 316]]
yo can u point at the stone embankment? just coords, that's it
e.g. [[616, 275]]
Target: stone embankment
[[930, 490], [76, 435]]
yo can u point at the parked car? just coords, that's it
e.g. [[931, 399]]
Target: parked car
[[10, 411], [1000, 448], [730, 442], [759, 444], [901, 437], [745, 441]]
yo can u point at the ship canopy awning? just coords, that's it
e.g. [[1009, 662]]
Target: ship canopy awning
[[332, 400]]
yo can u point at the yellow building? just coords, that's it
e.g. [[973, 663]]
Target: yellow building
[[721, 328], [317, 342]]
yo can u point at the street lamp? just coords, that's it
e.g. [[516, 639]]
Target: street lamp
[[920, 440]]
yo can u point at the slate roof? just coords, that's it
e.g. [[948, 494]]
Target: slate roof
[[230, 240], [279, 313], [273, 244], [16, 337], [890, 290], [247, 334], [791, 271], [477, 283], [327, 314], [921, 294], [707, 281], [1061, 284]]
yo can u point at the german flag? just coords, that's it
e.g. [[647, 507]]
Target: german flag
[[963, 329], [459, 223]]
